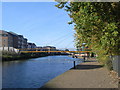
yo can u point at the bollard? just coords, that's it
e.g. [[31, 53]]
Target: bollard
[[74, 64], [84, 58]]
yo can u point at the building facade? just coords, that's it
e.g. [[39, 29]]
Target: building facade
[[6, 39], [15, 39], [11, 39], [22, 42], [49, 48], [39, 48], [31, 45]]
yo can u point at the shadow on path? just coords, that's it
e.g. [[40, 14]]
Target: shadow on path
[[90, 61], [83, 67]]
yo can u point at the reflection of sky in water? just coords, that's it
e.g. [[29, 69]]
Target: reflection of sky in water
[[34, 73], [58, 59]]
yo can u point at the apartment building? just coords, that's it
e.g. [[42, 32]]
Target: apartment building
[[49, 48], [15, 39], [25, 43], [6, 39], [31, 45], [11, 39], [22, 42], [39, 48], [19, 41]]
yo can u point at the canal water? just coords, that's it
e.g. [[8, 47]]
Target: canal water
[[34, 73]]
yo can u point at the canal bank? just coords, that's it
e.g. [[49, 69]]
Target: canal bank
[[22, 56], [86, 75]]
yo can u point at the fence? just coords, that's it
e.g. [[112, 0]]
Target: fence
[[116, 64], [9, 49]]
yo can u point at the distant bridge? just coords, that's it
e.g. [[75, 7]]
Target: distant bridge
[[37, 50], [55, 51]]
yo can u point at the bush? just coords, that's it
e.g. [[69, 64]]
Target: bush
[[106, 61], [109, 64]]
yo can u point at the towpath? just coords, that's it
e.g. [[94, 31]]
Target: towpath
[[86, 75]]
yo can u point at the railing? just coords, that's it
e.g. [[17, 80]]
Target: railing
[[9, 49], [55, 51], [116, 64]]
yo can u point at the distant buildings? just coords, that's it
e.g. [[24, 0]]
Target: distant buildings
[[46, 48], [11, 39], [49, 48], [6, 39], [39, 48], [18, 40], [31, 45]]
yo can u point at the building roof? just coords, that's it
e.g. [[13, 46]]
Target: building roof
[[13, 33], [31, 43], [25, 38], [20, 35], [38, 47], [3, 31], [49, 47]]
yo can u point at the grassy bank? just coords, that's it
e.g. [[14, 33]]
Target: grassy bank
[[21, 56], [10, 56]]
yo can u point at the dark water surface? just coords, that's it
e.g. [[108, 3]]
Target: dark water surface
[[34, 73]]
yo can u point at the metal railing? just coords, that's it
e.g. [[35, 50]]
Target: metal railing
[[55, 51]]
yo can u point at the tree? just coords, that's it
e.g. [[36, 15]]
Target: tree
[[97, 24]]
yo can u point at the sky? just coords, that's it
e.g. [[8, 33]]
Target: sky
[[40, 22]]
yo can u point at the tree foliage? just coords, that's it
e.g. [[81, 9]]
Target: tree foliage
[[97, 24]]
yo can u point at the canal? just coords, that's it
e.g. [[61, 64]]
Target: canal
[[34, 73]]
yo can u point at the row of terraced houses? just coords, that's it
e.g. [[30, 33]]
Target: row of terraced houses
[[11, 39]]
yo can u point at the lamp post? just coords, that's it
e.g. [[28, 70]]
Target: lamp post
[[83, 49]]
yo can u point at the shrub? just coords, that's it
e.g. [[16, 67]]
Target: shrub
[[109, 64]]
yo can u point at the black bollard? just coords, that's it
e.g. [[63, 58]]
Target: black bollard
[[74, 64], [84, 58]]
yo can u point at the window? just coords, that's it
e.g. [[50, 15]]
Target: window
[[4, 35]]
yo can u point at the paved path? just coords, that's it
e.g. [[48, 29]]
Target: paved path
[[86, 75]]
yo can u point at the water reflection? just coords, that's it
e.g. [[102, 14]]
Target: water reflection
[[34, 73]]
